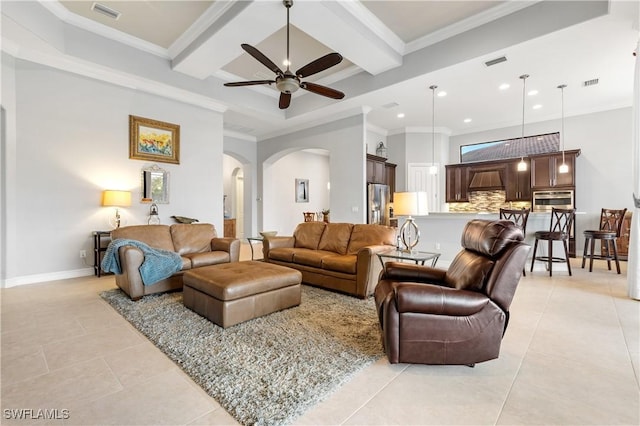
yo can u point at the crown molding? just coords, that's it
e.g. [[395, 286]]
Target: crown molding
[[70, 18], [239, 135], [470, 23]]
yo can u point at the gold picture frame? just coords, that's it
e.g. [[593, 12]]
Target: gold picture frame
[[153, 140]]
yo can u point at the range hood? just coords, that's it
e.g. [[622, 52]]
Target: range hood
[[486, 180]]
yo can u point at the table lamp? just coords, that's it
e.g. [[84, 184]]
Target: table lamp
[[115, 198], [410, 204]]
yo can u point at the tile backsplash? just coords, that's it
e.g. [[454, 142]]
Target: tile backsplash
[[487, 201]]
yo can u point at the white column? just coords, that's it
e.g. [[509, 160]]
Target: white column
[[633, 272]]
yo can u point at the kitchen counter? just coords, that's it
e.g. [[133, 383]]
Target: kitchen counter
[[441, 232]]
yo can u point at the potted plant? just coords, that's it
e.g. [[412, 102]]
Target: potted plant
[[325, 215]]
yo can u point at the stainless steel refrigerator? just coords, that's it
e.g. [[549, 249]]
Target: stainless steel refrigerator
[[378, 203]]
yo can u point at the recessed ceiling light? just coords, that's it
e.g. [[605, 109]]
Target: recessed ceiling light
[[504, 86], [442, 94], [467, 120], [532, 92], [401, 115], [537, 106]]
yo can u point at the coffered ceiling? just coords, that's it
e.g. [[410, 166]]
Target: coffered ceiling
[[393, 51]]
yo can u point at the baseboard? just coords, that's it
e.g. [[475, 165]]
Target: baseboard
[[38, 278]]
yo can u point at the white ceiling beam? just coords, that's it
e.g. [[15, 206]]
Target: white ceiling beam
[[247, 22], [339, 26]]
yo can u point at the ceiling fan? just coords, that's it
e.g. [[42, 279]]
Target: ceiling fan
[[288, 82]]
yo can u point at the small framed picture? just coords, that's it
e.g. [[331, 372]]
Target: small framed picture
[[153, 140], [302, 190]]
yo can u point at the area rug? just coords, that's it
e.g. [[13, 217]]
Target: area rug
[[269, 370]]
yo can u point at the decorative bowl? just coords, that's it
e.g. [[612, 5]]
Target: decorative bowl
[[266, 234]]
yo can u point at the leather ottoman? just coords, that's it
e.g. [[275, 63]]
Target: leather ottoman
[[230, 293]]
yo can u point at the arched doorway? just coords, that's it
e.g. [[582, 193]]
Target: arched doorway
[[237, 178]]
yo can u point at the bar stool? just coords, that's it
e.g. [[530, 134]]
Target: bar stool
[[559, 230], [519, 217], [610, 225], [309, 216]]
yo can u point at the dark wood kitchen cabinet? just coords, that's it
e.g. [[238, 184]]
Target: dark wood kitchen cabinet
[[517, 185], [376, 169], [390, 173], [380, 171], [544, 170], [457, 186]]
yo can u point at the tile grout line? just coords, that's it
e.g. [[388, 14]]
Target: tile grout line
[[376, 394], [515, 376]]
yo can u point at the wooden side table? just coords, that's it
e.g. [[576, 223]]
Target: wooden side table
[[101, 240]]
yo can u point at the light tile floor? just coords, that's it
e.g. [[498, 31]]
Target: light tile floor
[[570, 356]]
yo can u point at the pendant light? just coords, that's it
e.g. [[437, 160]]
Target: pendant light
[[564, 168], [433, 169], [522, 166]]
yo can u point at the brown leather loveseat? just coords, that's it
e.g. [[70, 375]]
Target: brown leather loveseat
[[454, 316], [197, 244], [335, 256]]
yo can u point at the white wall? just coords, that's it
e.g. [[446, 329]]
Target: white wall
[[243, 152], [71, 143], [345, 141], [282, 176]]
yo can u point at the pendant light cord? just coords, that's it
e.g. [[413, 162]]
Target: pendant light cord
[[561, 87], [433, 123], [522, 166], [524, 92]]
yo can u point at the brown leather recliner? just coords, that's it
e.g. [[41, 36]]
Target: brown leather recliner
[[454, 316]]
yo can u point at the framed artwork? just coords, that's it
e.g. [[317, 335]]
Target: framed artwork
[[302, 190], [153, 140]]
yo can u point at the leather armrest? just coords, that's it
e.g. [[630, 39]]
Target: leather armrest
[[275, 242], [368, 269], [228, 244], [130, 280], [437, 300], [397, 271], [278, 242]]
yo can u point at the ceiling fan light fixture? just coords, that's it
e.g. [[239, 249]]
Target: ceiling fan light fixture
[[286, 81], [287, 84]]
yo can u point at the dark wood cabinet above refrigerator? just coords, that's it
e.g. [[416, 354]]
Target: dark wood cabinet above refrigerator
[[382, 172]]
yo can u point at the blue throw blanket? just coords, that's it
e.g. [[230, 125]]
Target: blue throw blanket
[[157, 265]]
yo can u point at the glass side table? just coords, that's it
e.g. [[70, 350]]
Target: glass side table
[[419, 257], [252, 241]]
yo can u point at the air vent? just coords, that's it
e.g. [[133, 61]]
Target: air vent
[[496, 61], [107, 11], [390, 105], [591, 82]]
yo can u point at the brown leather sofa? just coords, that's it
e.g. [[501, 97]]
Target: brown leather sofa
[[335, 256], [197, 244], [454, 316]]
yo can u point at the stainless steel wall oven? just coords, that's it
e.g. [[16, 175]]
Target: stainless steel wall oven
[[544, 201]]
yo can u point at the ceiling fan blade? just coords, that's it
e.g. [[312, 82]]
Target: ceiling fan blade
[[322, 90], [285, 100], [320, 64], [261, 58], [249, 83]]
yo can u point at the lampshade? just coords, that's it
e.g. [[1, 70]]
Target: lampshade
[[410, 204], [116, 198]]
